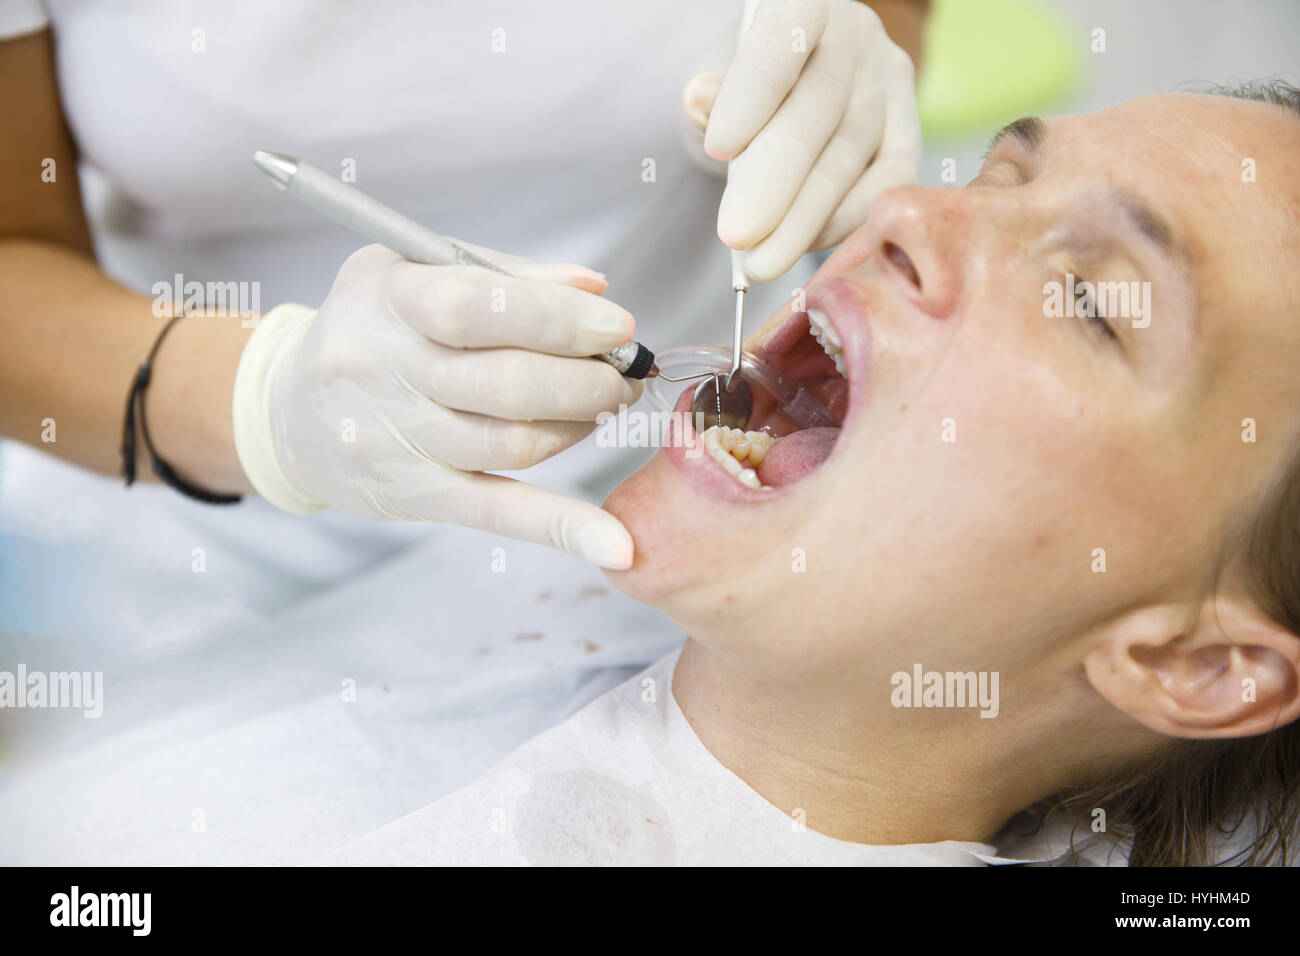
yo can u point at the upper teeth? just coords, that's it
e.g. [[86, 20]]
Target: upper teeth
[[739, 452], [826, 337]]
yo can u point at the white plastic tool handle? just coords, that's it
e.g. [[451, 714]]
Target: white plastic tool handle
[[740, 281]]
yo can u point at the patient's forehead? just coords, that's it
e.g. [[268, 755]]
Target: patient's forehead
[[1234, 157], [1224, 172]]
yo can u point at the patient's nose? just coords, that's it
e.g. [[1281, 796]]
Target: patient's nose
[[915, 246]]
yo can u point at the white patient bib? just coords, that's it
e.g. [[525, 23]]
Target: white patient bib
[[626, 781]]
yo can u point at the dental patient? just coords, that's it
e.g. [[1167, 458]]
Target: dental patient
[[1038, 597]]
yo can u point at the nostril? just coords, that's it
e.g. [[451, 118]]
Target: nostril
[[903, 263]]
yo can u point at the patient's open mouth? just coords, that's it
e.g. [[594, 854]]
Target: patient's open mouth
[[819, 354]]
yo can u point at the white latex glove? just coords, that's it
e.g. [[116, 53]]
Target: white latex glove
[[818, 111], [413, 379]]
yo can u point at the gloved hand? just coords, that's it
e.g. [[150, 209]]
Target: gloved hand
[[413, 379], [818, 110]]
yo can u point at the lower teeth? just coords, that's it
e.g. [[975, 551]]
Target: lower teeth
[[739, 452]]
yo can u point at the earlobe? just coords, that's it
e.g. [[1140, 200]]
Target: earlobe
[[1232, 673]]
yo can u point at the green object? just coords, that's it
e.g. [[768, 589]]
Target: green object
[[988, 62]]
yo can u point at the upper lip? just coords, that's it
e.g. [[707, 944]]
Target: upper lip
[[844, 303]]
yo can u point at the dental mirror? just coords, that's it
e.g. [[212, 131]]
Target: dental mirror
[[687, 363], [722, 407]]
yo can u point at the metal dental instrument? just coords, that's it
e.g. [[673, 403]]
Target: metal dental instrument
[[734, 402], [727, 408], [793, 400], [710, 396], [740, 284], [731, 400], [709, 399], [353, 209]]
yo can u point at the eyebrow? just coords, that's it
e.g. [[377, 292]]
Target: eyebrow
[[1030, 131], [1154, 226]]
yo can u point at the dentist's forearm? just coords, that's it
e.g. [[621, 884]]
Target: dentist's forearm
[[73, 338], [73, 342]]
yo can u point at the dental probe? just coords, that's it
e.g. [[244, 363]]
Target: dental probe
[[366, 216], [740, 284], [731, 400], [739, 281]]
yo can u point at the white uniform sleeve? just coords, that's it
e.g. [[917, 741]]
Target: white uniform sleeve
[[20, 17]]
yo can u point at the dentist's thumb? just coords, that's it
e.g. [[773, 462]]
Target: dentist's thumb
[[698, 97]]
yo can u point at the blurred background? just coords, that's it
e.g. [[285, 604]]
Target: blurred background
[[991, 61]]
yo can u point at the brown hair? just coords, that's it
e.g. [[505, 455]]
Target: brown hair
[[1182, 806]]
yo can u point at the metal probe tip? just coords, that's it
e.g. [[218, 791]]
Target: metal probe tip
[[279, 167], [733, 376]]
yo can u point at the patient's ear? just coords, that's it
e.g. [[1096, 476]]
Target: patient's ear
[[1231, 673]]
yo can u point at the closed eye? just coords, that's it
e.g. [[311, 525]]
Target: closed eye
[[1087, 308]]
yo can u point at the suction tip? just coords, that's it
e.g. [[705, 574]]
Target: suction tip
[[279, 168]]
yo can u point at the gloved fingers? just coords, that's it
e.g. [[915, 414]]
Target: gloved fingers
[[375, 257], [470, 442], [837, 169], [465, 307], [766, 177], [768, 61], [517, 384], [564, 273], [698, 97], [885, 172], [501, 505], [898, 159], [363, 263]]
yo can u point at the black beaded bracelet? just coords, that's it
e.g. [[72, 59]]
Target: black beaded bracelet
[[165, 472]]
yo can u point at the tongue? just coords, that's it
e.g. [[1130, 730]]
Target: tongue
[[795, 455]]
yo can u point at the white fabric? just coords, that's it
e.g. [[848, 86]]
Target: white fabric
[[20, 17], [227, 735], [626, 781]]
